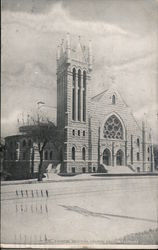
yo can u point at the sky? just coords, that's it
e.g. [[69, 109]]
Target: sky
[[124, 35]]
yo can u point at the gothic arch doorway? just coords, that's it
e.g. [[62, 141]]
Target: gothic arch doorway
[[107, 157], [119, 158]]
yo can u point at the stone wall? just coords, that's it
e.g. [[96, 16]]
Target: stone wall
[[102, 108]]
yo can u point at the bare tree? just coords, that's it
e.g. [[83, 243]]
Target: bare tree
[[42, 133]]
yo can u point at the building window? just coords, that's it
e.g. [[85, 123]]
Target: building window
[[148, 159], [93, 169], [83, 154], [84, 96], [51, 155], [83, 170], [138, 158], [79, 95], [113, 128], [138, 142], [148, 150], [74, 94], [78, 132], [84, 133], [113, 99], [24, 143], [73, 132], [46, 155], [11, 144], [24, 156], [73, 170], [73, 153]]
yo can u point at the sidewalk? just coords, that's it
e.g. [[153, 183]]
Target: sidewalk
[[52, 177]]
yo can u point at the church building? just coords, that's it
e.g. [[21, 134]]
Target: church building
[[97, 131]]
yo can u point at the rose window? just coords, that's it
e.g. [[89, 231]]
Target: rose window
[[113, 128]]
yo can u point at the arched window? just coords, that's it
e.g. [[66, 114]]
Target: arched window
[[73, 153], [51, 155], [79, 94], [138, 156], [138, 143], [84, 95], [24, 143], [113, 128], [83, 154], [113, 99], [46, 155], [73, 94]]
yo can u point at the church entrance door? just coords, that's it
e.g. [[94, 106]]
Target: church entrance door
[[119, 158], [107, 157]]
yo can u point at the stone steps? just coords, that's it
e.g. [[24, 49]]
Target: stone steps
[[118, 169]]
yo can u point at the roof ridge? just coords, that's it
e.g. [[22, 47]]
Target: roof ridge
[[99, 94]]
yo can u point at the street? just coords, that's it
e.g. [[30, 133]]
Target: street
[[81, 212]]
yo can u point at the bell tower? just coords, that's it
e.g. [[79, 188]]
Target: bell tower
[[74, 66]]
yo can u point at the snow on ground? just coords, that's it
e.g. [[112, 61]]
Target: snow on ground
[[84, 211]]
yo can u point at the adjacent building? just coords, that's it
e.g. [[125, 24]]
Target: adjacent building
[[22, 156]]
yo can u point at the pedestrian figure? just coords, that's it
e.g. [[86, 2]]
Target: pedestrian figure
[[47, 193], [16, 193], [42, 193], [16, 208], [36, 208], [26, 193], [32, 194], [22, 193], [37, 192]]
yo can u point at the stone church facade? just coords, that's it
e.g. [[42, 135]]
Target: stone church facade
[[100, 130]]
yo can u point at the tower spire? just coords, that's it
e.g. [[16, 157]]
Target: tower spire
[[90, 54], [68, 48]]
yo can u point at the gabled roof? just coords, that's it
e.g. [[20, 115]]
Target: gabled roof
[[98, 96]]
